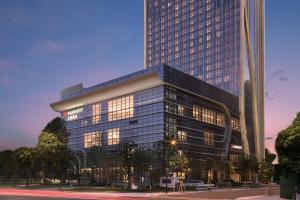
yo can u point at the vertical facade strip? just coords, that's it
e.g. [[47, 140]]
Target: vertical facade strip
[[242, 81]]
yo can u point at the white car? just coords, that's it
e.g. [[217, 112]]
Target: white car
[[194, 183]]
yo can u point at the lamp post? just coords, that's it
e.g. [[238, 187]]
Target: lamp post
[[172, 143]]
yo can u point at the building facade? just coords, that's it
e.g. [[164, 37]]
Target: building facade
[[148, 105], [218, 41]]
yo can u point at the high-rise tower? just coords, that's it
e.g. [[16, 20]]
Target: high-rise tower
[[218, 41]]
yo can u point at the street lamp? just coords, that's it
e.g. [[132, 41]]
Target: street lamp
[[173, 143]]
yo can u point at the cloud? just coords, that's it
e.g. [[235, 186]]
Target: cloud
[[271, 91]]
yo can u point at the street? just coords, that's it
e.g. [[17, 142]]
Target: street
[[18, 194], [236, 193]]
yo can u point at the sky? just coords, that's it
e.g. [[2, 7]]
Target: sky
[[48, 45]]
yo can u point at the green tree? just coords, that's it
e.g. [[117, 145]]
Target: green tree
[[229, 169], [57, 126], [55, 156], [141, 162], [266, 171], [180, 163], [269, 157], [26, 159], [8, 165], [287, 146], [253, 167], [248, 166], [53, 148]]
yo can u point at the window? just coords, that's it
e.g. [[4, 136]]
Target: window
[[180, 110], [210, 175], [208, 115], [234, 158], [171, 95], [209, 138], [171, 108], [235, 123], [96, 113], [92, 139], [121, 108], [113, 136], [181, 136], [197, 112], [220, 119]]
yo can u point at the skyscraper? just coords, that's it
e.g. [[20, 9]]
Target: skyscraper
[[218, 41]]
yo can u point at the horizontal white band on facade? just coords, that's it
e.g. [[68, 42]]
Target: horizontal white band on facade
[[115, 90]]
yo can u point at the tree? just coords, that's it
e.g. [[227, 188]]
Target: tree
[[141, 162], [209, 167], [266, 171], [55, 155], [57, 126], [97, 159], [219, 167], [287, 146], [253, 167], [53, 148], [26, 159], [8, 165], [248, 166], [266, 168], [126, 150], [229, 169], [269, 157], [180, 163]]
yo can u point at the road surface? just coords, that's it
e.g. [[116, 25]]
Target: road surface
[[240, 193]]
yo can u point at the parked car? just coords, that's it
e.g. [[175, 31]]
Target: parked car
[[193, 183]]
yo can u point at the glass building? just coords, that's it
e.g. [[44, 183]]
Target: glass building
[[218, 41], [148, 105]]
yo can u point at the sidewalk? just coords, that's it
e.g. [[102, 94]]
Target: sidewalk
[[262, 197]]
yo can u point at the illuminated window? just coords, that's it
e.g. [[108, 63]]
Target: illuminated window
[[92, 139], [180, 110], [235, 123], [220, 119], [226, 78], [208, 115], [171, 108], [181, 136], [197, 112], [96, 113], [121, 108], [210, 175], [113, 136], [209, 138]]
